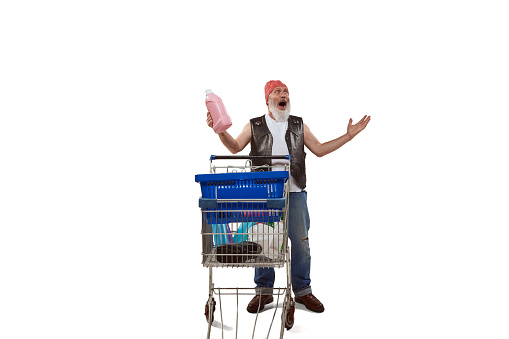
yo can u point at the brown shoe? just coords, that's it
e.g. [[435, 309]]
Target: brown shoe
[[252, 307], [311, 303]]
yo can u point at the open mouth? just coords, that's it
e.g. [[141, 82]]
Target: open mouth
[[282, 105]]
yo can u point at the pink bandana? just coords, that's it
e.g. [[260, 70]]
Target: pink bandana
[[269, 87]]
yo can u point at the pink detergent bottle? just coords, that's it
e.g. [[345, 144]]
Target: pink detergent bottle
[[221, 119]]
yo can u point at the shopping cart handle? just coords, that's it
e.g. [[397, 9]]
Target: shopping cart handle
[[248, 157]]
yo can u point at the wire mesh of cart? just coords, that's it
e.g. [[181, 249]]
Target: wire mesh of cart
[[244, 224]]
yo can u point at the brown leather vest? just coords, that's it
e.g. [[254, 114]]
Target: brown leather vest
[[261, 144]]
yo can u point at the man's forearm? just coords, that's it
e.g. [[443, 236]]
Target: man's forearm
[[331, 146], [231, 144]]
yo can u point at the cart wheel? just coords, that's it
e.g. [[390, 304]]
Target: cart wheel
[[290, 316], [207, 310]]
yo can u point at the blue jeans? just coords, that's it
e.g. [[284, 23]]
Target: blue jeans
[[298, 227]]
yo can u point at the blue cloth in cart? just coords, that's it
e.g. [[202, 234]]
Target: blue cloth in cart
[[241, 234], [222, 234]]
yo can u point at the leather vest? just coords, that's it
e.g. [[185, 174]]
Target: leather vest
[[261, 144]]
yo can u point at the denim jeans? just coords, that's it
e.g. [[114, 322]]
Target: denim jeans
[[298, 227]]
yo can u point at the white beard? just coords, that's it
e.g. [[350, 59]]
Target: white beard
[[279, 115]]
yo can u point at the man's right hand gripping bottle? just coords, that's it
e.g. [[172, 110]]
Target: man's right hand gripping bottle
[[220, 118]]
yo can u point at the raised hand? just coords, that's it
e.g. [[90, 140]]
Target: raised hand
[[353, 130]]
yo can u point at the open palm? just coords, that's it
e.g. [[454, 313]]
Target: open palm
[[353, 130]]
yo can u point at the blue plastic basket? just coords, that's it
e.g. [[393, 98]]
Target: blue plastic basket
[[268, 186], [245, 185]]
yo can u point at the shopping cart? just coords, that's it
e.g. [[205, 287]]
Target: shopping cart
[[244, 224]]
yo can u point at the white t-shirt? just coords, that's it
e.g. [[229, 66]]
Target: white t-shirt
[[279, 147]]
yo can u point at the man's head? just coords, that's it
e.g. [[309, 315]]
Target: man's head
[[277, 99]]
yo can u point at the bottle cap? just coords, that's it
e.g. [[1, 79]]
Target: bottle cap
[[208, 91]]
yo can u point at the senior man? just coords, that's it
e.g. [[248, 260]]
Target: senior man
[[279, 133]]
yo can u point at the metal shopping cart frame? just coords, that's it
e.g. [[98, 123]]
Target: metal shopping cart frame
[[244, 219]]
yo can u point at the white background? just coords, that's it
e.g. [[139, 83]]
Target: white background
[[103, 128]]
